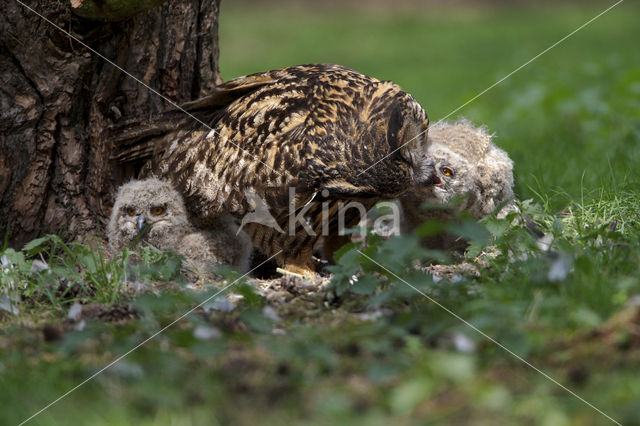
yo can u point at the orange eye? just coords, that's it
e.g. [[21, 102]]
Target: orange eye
[[131, 211], [157, 210], [447, 171]]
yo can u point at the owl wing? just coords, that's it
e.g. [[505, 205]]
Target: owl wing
[[305, 128], [256, 146], [226, 93], [277, 130], [142, 139]]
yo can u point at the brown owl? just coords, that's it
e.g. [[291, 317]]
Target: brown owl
[[305, 140], [470, 169], [151, 210]]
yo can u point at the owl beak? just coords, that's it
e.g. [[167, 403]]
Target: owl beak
[[426, 171], [141, 222], [430, 179], [434, 180]]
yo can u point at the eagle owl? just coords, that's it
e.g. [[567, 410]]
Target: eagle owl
[[469, 169], [153, 206], [305, 140]]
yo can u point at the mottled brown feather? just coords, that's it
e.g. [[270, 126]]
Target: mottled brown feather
[[310, 127]]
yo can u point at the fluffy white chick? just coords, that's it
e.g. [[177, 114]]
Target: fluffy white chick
[[151, 210], [470, 170]]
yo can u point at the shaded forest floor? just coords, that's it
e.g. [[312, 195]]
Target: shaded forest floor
[[362, 346]]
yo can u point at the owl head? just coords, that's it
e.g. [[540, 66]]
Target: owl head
[[468, 167], [150, 205]]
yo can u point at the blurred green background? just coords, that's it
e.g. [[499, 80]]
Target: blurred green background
[[383, 355], [570, 119]]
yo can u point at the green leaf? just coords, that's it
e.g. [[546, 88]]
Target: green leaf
[[430, 228], [251, 297], [337, 255], [586, 317], [32, 245], [557, 226], [255, 320], [406, 397], [496, 227], [471, 230], [455, 367]]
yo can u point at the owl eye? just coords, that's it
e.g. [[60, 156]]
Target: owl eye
[[447, 171], [131, 211], [157, 210]]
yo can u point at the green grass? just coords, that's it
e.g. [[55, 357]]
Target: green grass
[[578, 103], [570, 120]]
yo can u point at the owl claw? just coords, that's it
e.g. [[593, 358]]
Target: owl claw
[[301, 273]]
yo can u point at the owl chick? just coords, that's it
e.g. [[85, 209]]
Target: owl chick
[[301, 139], [470, 170], [155, 207]]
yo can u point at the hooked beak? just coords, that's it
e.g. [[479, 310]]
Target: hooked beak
[[433, 180], [141, 222], [429, 177]]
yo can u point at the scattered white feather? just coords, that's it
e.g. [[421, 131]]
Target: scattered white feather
[[74, 311], [203, 332], [6, 304], [221, 304], [270, 312], [462, 343], [560, 267], [39, 266]]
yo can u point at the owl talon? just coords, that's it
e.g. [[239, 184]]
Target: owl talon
[[298, 272]]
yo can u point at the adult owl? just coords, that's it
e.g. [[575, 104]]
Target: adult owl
[[305, 140], [151, 210], [469, 169]]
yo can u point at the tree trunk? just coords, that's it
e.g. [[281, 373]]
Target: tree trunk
[[58, 100]]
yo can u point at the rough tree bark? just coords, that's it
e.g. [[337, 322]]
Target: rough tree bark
[[57, 101]]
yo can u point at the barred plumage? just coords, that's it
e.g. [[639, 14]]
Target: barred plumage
[[329, 132]]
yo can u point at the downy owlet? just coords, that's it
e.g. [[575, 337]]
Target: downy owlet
[[154, 206], [297, 138], [470, 170]]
